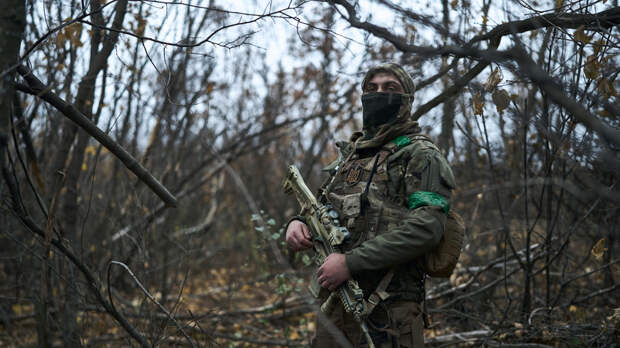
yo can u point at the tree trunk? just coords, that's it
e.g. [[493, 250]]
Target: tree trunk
[[70, 205], [447, 120], [12, 24]]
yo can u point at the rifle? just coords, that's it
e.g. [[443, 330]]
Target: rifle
[[327, 238]]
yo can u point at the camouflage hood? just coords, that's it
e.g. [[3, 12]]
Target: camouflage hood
[[403, 124]]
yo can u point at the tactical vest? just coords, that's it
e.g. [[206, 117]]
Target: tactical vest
[[370, 202]]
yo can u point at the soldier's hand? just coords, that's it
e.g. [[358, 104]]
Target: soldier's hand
[[333, 272], [298, 236]]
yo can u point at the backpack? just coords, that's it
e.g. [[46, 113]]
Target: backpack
[[440, 262]]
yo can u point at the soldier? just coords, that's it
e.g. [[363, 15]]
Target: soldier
[[391, 187]]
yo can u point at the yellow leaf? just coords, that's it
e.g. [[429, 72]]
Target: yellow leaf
[[572, 308], [501, 99], [518, 333], [71, 33], [83, 167], [615, 317], [17, 309], [559, 3], [141, 25], [90, 150], [210, 87], [478, 104], [592, 68], [598, 46], [454, 3], [294, 335], [581, 36], [494, 79], [453, 278], [599, 249], [606, 88], [311, 326], [604, 113]]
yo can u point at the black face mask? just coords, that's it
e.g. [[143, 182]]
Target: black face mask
[[380, 108]]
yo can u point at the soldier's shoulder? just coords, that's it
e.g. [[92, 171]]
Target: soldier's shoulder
[[421, 150], [412, 145]]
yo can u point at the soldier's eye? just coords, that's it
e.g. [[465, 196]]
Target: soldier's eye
[[392, 87]]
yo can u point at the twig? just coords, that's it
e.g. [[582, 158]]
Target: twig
[[148, 294], [596, 293], [457, 337], [517, 345]]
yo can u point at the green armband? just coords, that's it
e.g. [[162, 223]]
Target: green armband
[[423, 198], [402, 141]]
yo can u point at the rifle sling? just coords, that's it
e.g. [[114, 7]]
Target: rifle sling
[[380, 294], [372, 173]]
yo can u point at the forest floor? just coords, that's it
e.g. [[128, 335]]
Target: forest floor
[[232, 307]]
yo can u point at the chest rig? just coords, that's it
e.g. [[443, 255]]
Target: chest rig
[[368, 190], [364, 188]]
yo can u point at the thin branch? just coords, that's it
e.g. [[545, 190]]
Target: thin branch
[[281, 12], [596, 293], [81, 120], [601, 20], [40, 40], [92, 283], [458, 337], [148, 294], [456, 87], [530, 69]]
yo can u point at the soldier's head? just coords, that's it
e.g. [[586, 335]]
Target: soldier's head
[[387, 95]]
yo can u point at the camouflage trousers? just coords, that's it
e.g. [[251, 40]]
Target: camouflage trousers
[[406, 329]]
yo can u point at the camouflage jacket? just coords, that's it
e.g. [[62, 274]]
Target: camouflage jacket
[[401, 216]]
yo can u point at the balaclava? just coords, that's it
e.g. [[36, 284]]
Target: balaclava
[[387, 115], [387, 108]]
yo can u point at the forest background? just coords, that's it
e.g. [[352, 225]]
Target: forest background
[[143, 143]]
